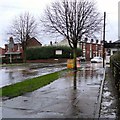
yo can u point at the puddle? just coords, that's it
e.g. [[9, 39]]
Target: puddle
[[11, 75]]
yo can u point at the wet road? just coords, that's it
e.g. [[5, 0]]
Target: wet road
[[13, 74], [59, 99]]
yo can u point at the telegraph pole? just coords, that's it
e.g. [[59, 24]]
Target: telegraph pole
[[104, 40]]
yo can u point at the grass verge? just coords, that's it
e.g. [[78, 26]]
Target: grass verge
[[28, 85]]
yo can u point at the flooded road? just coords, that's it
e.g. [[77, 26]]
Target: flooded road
[[13, 74], [59, 99]]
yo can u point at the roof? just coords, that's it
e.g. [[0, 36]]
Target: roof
[[118, 41], [33, 42]]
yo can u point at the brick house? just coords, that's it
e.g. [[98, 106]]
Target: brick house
[[91, 49], [33, 42], [14, 51], [2, 52]]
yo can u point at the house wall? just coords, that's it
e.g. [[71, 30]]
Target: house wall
[[16, 48], [2, 51], [91, 50], [33, 42]]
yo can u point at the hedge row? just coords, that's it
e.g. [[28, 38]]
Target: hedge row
[[116, 56], [47, 52]]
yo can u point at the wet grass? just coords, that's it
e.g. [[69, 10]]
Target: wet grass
[[29, 85]]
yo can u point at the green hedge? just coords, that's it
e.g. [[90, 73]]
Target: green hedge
[[47, 52], [116, 56]]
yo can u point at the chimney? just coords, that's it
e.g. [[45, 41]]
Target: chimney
[[110, 41], [86, 39], [51, 43], [92, 40], [11, 40]]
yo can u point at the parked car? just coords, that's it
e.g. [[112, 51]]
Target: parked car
[[97, 60]]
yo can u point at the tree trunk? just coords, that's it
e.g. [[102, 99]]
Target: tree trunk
[[25, 55], [24, 52], [74, 57], [75, 80]]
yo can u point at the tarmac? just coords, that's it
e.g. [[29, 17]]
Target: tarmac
[[59, 99]]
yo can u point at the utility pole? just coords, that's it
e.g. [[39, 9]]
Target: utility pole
[[104, 40]]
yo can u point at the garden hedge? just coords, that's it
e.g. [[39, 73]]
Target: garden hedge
[[47, 52], [116, 57]]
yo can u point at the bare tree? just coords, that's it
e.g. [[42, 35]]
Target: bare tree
[[73, 19], [22, 27]]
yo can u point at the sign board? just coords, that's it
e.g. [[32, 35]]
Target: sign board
[[58, 52]]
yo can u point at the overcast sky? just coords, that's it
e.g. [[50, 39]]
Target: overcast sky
[[11, 8]]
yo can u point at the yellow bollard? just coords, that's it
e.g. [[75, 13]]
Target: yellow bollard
[[70, 63]]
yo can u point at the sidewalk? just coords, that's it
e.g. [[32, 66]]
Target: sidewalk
[[59, 99]]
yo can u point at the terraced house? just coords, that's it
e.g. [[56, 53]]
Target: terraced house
[[90, 48]]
